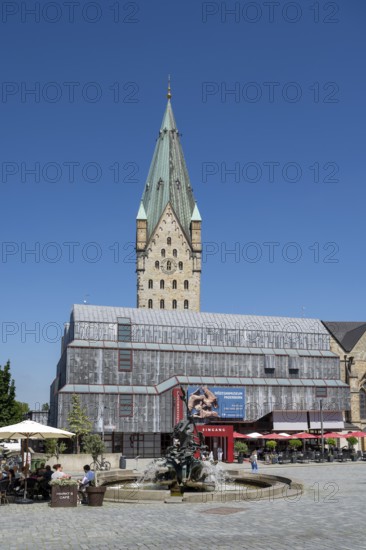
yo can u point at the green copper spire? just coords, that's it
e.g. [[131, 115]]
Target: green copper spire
[[168, 179]]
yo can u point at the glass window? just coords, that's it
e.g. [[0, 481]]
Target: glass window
[[169, 241], [150, 283], [174, 285], [125, 360], [321, 392], [124, 332], [162, 284], [162, 304], [163, 252], [180, 265], [169, 265], [186, 304], [175, 253], [126, 405], [150, 304], [186, 285], [174, 304], [157, 265]]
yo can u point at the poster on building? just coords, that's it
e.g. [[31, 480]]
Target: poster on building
[[216, 402]]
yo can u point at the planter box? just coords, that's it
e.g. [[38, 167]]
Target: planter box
[[63, 496], [96, 495]]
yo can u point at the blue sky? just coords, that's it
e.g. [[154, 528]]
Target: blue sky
[[292, 130]]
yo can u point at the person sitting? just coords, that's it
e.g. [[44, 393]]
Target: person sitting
[[58, 473], [44, 482], [87, 480]]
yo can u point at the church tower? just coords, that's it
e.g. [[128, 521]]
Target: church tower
[[168, 232]]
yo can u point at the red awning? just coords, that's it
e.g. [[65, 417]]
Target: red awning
[[237, 435], [353, 434]]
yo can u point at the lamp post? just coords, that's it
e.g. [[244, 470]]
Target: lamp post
[[321, 426]]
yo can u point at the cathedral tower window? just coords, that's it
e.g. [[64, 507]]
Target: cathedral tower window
[[174, 304], [186, 285], [163, 252], [162, 284], [174, 285], [186, 304], [180, 265], [169, 265], [150, 283], [175, 253], [157, 265], [169, 241], [162, 304], [150, 304]]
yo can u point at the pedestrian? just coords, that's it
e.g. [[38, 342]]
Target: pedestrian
[[254, 461], [219, 454]]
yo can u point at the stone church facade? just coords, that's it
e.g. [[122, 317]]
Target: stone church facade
[[168, 229]]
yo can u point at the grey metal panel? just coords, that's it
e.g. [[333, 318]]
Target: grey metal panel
[[164, 386], [280, 351], [182, 379], [246, 381], [331, 382], [220, 380], [261, 381], [195, 380], [319, 382], [283, 381], [111, 389], [233, 381]]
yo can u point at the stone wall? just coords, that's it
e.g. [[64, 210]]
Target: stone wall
[[178, 251]]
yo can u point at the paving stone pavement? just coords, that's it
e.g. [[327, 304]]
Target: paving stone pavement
[[330, 514]]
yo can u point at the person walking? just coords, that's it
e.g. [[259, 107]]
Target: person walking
[[254, 461]]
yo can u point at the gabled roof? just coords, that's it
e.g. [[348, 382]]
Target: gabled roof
[[346, 333], [168, 179]]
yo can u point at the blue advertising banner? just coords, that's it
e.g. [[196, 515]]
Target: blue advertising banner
[[216, 402]]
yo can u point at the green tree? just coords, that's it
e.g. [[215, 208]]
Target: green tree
[[10, 411], [22, 409], [78, 421], [271, 445], [54, 447], [241, 447], [45, 407], [93, 445]]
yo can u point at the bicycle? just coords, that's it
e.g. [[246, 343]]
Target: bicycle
[[100, 465]]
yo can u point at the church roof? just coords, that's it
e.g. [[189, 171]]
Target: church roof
[[347, 333], [168, 179]]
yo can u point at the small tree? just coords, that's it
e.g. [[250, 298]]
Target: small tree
[[295, 444], [331, 442], [11, 411], [352, 441], [241, 447], [93, 445], [271, 445], [54, 447], [45, 407], [78, 421]]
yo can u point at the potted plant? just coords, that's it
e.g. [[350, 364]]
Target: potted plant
[[242, 449], [93, 445], [294, 444], [331, 442], [352, 441], [271, 446], [63, 493]]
